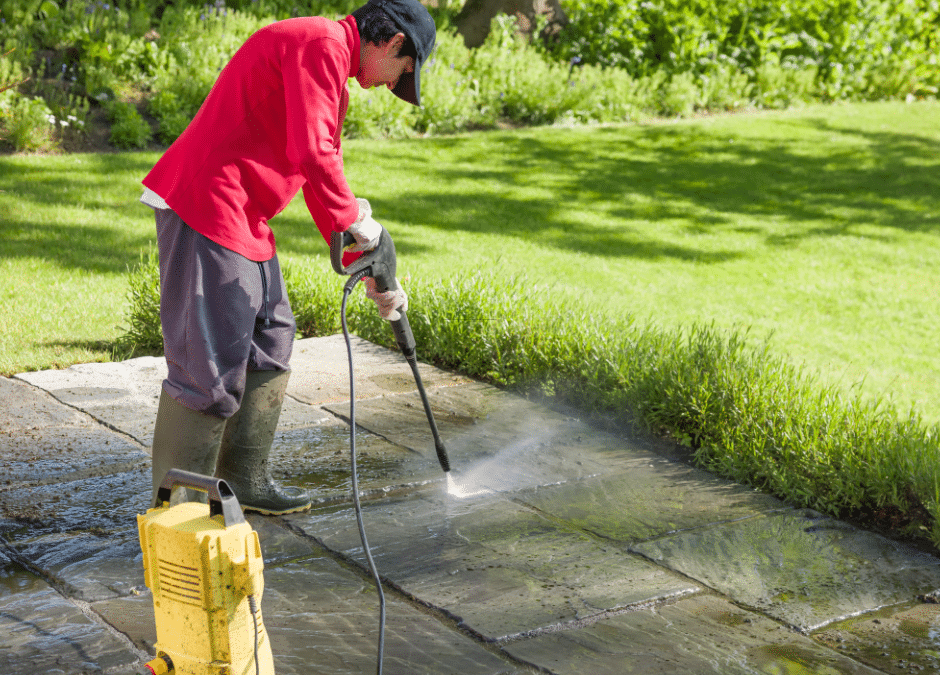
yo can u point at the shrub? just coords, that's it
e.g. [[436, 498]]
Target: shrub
[[680, 95], [180, 69], [11, 72], [26, 123], [853, 45], [129, 130], [635, 59], [376, 114], [779, 85], [725, 88], [143, 333], [171, 119]]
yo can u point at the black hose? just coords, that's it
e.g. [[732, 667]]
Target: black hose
[[353, 280]]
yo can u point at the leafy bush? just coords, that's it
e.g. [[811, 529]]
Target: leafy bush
[[852, 45], [502, 80], [725, 88], [634, 59], [181, 71], [11, 72], [172, 119], [779, 85], [144, 333], [26, 123], [129, 130]]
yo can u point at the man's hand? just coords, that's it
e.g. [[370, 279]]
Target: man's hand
[[366, 231], [388, 302]]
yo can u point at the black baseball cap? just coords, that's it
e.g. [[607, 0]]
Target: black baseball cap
[[416, 23]]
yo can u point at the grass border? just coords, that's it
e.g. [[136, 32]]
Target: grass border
[[744, 413]]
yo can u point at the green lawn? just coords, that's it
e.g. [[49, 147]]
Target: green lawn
[[819, 225]]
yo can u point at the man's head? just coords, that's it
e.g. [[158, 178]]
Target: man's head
[[396, 37]]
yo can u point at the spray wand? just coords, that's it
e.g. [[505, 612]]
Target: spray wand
[[380, 264]]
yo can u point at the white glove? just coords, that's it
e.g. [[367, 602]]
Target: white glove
[[388, 302], [365, 230]]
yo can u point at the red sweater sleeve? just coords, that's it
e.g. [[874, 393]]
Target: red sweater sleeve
[[316, 97]]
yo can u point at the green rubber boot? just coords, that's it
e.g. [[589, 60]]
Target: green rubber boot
[[184, 439], [246, 444]]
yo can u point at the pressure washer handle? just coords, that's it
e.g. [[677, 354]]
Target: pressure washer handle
[[222, 499], [380, 264], [339, 241]]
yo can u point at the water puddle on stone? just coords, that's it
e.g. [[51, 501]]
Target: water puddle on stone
[[318, 460], [14, 578]]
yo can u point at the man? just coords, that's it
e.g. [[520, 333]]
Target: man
[[270, 127]]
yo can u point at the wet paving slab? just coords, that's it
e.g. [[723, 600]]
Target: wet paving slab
[[43, 631], [470, 416], [42, 441], [494, 566], [495, 441], [321, 616], [648, 497], [898, 640], [81, 535], [799, 567], [318, 460], [97, 504], [703, 635]]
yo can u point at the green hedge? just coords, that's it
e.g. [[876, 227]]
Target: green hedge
[[638, 59], [860, 49]]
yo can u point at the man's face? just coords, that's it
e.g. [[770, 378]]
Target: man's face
[[380, 65]]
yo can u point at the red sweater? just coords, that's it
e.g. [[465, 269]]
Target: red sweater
[[270, 126]]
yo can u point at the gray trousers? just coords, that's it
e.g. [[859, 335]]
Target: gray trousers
[[222, 315]]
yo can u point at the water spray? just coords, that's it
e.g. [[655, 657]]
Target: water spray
[[380, 264]]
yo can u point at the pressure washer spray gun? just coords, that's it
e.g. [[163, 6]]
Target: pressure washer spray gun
[[380, 264]]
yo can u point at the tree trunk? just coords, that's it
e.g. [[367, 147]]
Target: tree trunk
[[473, 22]]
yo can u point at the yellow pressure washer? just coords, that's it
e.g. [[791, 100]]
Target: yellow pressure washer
[[204, 566]]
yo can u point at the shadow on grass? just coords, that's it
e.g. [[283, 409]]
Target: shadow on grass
[[598, 191], [534, 184], [106, 227]]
